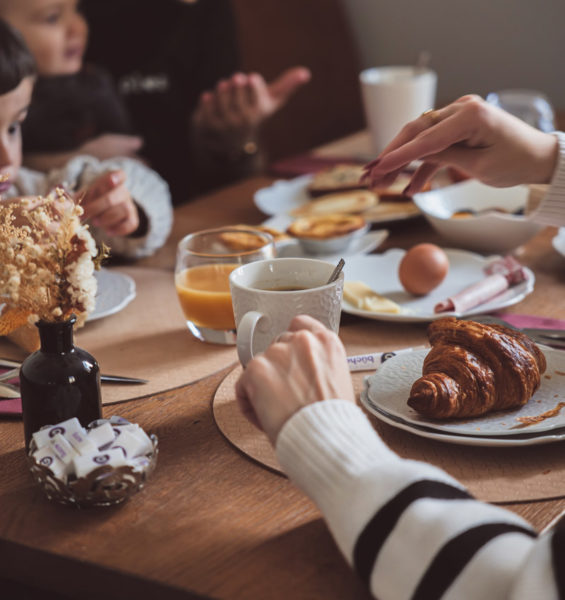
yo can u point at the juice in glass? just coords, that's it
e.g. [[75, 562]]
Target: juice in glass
[[204, 262], [204, 295]]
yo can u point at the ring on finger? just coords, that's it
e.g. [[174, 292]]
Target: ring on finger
[[432, 115], [282, 337]]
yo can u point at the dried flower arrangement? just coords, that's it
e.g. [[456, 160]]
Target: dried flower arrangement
[[47, 260]]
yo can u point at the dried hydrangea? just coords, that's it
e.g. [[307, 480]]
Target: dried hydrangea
[[47, 258]]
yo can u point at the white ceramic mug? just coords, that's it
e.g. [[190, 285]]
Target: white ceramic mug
[[267, 294], [392, 96]]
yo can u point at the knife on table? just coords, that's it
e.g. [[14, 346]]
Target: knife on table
[[116, 379]]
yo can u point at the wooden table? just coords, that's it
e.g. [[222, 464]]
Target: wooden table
[[211, 522]]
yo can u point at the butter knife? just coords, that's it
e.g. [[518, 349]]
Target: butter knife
[[116, 379]]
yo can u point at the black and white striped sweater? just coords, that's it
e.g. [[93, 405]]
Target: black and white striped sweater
[[407, 528]]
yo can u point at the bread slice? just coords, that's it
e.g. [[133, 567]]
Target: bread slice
[[345, 203], [339, 178]]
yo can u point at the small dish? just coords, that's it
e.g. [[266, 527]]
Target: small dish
[[363, 245], [327, 234], [333, 244], [495, 221], [105, 485]]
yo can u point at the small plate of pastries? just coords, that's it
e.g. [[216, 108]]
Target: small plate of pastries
[[478, 384], [325, 237], [337, 190]]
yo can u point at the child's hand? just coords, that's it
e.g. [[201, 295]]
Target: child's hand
[[107, 204], [111, 145], [237, 106]]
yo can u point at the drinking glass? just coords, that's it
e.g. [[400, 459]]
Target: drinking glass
[[529, 105], [204, 261]]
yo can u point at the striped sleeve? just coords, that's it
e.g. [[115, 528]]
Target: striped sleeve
[[407, 528], [552, 209]]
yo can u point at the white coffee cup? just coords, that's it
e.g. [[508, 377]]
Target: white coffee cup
[[392, 96], [267, 294]]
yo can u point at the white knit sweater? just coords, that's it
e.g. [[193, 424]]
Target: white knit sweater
[[149, 191], [408, 529]]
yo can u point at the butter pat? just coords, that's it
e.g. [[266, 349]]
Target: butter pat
[[361, 296], [80, 441], [62, 449], [46, 457], [133, 443], [102, 435], [44, 436], [85, 464]]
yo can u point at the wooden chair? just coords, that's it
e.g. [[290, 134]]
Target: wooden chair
[[277, 34]]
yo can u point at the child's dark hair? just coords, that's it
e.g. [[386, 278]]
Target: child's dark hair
[[16, 61]]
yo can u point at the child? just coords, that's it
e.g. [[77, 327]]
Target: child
[[74, 110], [107, 189], [194, 139]]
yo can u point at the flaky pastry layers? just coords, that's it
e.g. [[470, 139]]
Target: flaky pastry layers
[[473, 369]]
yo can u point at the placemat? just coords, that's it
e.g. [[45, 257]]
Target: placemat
[[506, 474], [147, 339]]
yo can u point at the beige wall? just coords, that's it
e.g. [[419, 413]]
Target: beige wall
[[476, 45]]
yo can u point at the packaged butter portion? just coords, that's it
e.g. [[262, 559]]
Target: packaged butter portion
[[363, 297]]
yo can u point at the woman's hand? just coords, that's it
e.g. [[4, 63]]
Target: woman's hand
[[306, 364], [474, 136], [233, 112]]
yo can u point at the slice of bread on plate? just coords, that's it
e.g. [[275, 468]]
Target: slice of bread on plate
[[338, 178], [345, 203]]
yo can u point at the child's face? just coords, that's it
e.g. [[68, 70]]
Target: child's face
[[54, 31], [13, 110]]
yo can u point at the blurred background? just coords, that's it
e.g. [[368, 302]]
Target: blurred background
[[475, 46]]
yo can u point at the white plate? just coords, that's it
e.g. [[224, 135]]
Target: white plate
[[115, 292], [463, 439], [559, 241], [389, 387], [379, 272], [283, 195], [286, 195]]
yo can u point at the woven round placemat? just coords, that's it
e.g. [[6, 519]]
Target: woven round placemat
[[510, 474]]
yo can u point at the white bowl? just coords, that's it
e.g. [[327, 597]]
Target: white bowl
[[331, 245], [487, 231]]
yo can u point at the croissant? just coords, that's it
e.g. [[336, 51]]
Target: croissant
[[473, 369]]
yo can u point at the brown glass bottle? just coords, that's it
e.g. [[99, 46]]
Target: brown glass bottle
[[59, 381]]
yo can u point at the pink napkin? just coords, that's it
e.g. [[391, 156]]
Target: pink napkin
[[532, 321], [10, 406]]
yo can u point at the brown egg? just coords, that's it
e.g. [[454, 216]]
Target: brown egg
[[423, 268]]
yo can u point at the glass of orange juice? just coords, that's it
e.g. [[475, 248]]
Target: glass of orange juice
[[205, 260]]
